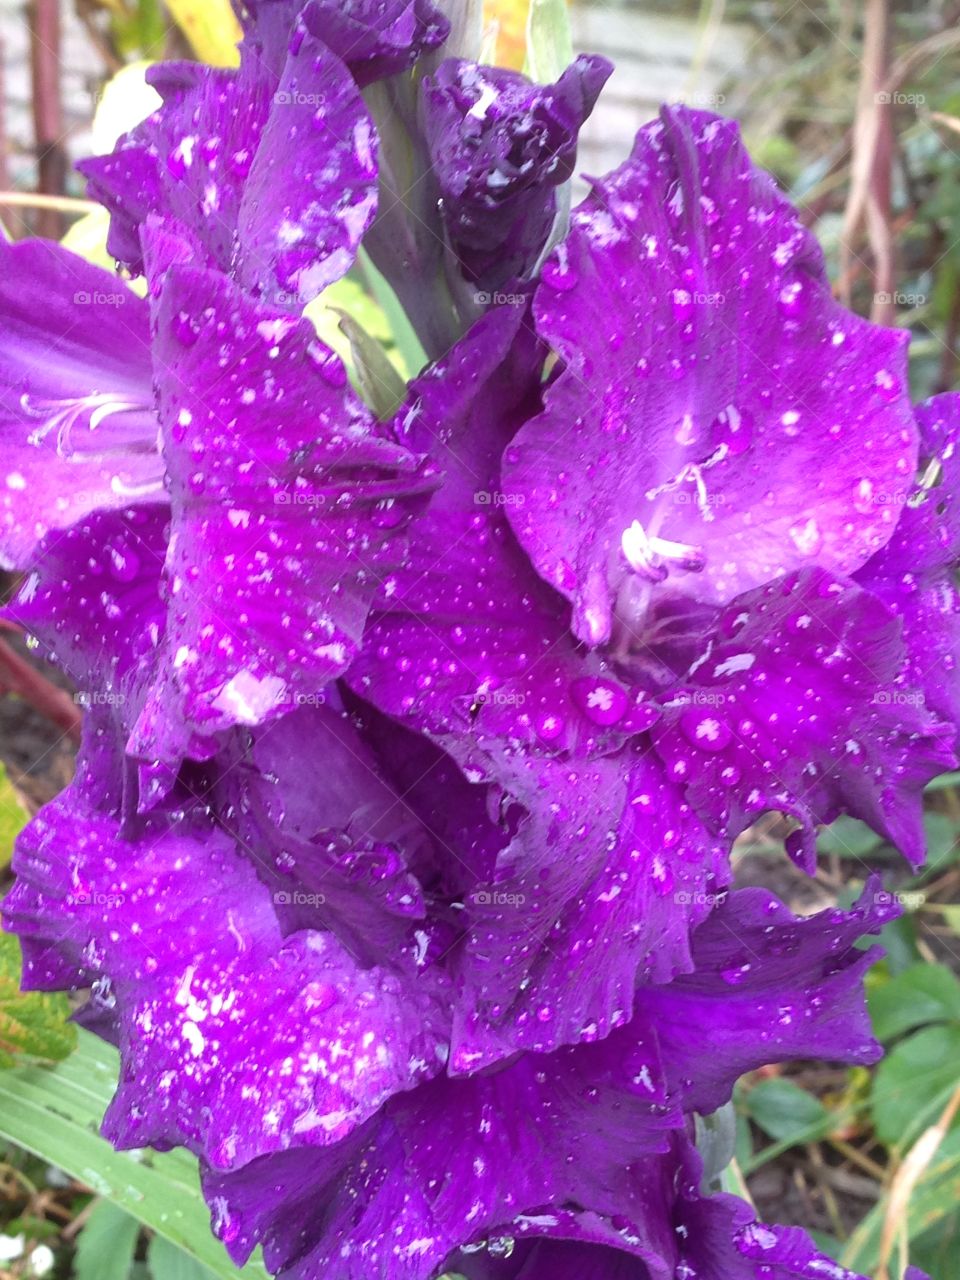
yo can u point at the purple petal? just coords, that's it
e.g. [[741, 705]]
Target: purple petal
[[473, 639], [429, 1175], [701, 467], [766, 986], [609, 871], [342, 850], [915, 573], [178, 925], [288, 502], [499, 147], [788, 1253], [812, 660], [188, 160], [94, 603], [377, 39], [312, 190], [681, 1235], [274, 173], [76, 403]]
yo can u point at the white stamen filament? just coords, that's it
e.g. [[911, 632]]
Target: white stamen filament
[[62, 417], [646, 552]]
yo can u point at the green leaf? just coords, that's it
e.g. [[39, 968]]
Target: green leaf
[[167, 1262], [404, 336], [380, 384], [106, 1245], [848, 838], [137, 28], [944, 781], [951, 913], [826, 1243], [716, 1138], [55, 1112], [899, 941], [937, 1249], [913, 1082], [549, 41], [786, 1112], [941, 835], [919, 995], [32, 1023], [13, 817]]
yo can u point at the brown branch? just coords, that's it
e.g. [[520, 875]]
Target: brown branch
[[47, 110], [869, 200], [19, 677]]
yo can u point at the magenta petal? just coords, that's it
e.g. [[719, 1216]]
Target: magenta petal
[[474, 645], [77, 421], [335, 841], [311, 192], [428, 1176], [93, 600], [386, 1221], [273, 169], [706, 374], [188, 160], [206, 1063], [609, 870], [186, 937], [765, 986], [787, 1253], [499, 147], [812, 660], [94, 604], [377, 38], [915, 573], [289, 503]]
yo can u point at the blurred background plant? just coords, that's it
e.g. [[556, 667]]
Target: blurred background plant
[[855, 108]]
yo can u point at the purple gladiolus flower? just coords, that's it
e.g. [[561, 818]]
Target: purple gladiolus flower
[[272, 170], [499, 147], [397, 860]]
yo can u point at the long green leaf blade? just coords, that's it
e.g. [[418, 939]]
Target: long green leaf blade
[[55, 1112]]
